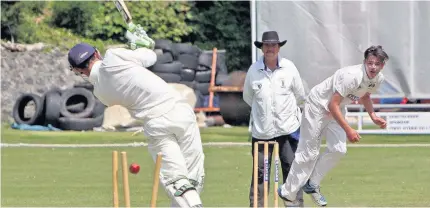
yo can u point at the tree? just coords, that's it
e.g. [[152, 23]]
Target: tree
[[224, 25]]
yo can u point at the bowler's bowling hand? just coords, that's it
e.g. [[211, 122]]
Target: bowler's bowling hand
[[353, 135], [380, 122]]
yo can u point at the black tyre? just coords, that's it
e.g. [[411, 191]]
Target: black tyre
[[74, 96], [188, 61], [203, 68], [221, 66], [233, 109], [163, 44], [80, 124], [19, 113], [76, 108], [85, 85], [203, 76], [199, 99], [220, 79], [173, 67], [54, 89], [164, 58], [203, 88], [191, 84], [188, 75], [186, 48], [205, 59], [169, 78], [52, 107]]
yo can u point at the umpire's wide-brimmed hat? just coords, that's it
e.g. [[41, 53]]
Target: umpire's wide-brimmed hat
[[269, 37]]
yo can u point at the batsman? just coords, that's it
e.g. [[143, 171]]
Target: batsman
[[121, 78]]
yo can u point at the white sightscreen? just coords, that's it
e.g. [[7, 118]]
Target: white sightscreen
[[324, 36]]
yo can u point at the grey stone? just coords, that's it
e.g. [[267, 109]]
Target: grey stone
[[32, 72]]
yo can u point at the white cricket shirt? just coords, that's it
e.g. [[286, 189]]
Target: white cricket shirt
[[122, 78], [273, 97], [351, 82]]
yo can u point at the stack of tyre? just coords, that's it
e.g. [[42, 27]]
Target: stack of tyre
[[176, 62], [186, 64], [71, 109], [203, 76]]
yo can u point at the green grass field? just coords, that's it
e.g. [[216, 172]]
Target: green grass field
[[82, 177]]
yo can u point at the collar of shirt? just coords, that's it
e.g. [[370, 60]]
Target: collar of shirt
[[95, 72], [262, 67]]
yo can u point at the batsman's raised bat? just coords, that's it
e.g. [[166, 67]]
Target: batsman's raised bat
[[122, 8]]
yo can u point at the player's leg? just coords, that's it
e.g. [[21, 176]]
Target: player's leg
[[260, 173], [336, 149], [187, 133], [306, 154], [173, 173], [189, 140], [287, 148]]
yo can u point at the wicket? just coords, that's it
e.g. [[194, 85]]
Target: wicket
[[266, 172], [125, 179]]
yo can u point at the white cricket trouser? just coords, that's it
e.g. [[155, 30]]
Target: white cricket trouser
[[177, 136], [309, 164]]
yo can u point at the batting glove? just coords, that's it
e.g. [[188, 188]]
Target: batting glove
[[138, 38]]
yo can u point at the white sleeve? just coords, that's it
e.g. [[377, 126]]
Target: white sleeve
[[248, 92], [101, 99], [345, 83], [142, 56]]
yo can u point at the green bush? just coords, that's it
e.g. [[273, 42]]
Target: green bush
[[63, 23], [162, 19], [15, 14], [107, 23], [224, 25], [75, 15], [60, 38], [27, 22]]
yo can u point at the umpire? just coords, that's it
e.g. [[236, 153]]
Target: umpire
[[273, 88]]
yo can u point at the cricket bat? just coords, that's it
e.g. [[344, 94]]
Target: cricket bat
[[122, 8]]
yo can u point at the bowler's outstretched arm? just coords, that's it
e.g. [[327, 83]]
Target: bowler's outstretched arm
[[334, 107], [367, 102]]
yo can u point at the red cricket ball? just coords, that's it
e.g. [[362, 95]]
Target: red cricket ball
[[134, 168]]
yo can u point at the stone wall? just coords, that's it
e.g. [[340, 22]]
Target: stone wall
[[32, 72]]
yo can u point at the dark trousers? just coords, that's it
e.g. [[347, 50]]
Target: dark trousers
[[287, 148]]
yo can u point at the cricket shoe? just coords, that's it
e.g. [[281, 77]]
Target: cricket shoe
[[315, 193], [287, 202]]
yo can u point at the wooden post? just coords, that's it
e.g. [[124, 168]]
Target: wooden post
[[156, 180], [213, 72]]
